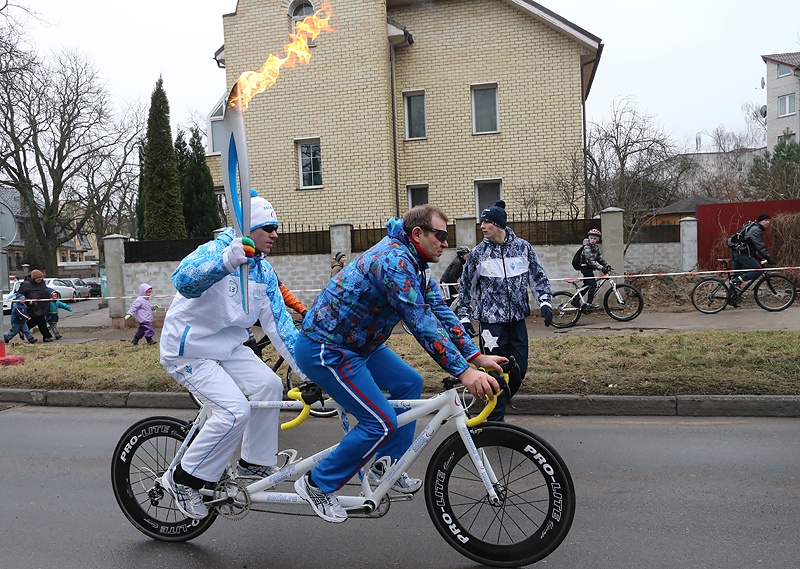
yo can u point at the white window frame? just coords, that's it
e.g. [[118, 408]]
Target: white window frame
[[406, 97], [791, 137], [293, 6], [788, 70], [790, 105], [299, 142], [485, 87], [210, 120], [417, 186], [475, 183]]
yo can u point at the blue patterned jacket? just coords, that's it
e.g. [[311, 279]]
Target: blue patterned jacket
[[360, 306], [497, 277]]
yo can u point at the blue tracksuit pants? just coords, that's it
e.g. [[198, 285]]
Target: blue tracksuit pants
[[357, 383]]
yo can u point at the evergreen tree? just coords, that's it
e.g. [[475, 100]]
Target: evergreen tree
[[139, 209], [776, 176], [202, 216], [182, 160], [163, 211]]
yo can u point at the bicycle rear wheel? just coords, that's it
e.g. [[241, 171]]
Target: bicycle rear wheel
[[774, 293], [624, 305], [565, 314], [710, 296], [142, 455], [533, 483]]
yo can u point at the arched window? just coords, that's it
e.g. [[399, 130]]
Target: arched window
[[299, 13]]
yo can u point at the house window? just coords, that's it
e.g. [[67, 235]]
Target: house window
[[310, 162], [299, 12], [784, 70], [415, 114], [417, 194], [484, 108], [487, 192], [786, 105], [788, 137], [215, 136]]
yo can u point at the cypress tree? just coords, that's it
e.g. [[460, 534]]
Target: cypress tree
[[163, 211], [199, 190], [140, 234], [182, 161]]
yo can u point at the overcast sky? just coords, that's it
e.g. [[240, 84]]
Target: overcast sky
[[690, 63]]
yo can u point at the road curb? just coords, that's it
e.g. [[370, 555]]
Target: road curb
[[612, 405]]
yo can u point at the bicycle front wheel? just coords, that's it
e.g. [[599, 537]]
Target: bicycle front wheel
[[565, 314], [625, 304], [537, 497], [142, 455], [710, 296], [774, 293]]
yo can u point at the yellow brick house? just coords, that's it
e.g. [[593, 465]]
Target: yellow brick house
[[452, 102]]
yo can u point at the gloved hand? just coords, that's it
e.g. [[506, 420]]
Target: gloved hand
[[127, 316], [547, 314], [156, 306], [240, 251], [467, 324], [253, 345], [303, 314], [607, 269]]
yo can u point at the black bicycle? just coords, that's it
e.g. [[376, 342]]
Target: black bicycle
[[622, 302], [771, 292]]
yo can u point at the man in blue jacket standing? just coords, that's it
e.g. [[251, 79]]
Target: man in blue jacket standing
[[341, 348], [497, 275]]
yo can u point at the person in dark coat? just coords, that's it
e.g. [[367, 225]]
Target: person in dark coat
[[33, 288], [452, 273]]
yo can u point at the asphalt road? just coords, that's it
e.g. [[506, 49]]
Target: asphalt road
[[652, 493]]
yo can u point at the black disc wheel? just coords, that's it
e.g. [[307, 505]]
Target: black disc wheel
[[624, 304], [142, 455], [775, 293], [535, 491], [565, 313], [710, 296]]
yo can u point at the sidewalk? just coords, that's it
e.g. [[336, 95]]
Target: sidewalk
[[684, 405]]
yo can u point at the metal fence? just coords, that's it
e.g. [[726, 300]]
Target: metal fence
[[559, 232], [667, 233], [156, 251], [364, 236], [301, 239]]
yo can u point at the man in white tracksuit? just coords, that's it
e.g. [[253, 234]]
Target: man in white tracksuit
[[202, 349]]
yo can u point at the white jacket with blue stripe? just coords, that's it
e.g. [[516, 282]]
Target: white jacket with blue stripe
[[206, 319]]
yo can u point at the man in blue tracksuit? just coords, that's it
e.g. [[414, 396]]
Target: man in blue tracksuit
[[202, 349], [497, 275], [341, 348]]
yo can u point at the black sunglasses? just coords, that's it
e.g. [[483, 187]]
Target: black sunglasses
[[441, 234], [269, 228]]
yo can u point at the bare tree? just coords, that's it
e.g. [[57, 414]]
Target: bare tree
[[634, 165], [560, 194], [56, 126]]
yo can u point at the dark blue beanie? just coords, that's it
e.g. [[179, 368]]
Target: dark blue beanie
[[495, 214]]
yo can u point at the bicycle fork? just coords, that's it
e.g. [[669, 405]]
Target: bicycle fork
[[479, 461]]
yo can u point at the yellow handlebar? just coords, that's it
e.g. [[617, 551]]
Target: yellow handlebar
[[489, 406], [295, 394]]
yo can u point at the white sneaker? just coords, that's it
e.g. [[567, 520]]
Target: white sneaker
[[405, 484], [325, 505], [187, 499], [255, 471]]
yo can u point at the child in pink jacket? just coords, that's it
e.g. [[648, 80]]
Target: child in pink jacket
[[142, 311]]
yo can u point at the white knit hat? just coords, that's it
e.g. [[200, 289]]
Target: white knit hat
[[261, 212]]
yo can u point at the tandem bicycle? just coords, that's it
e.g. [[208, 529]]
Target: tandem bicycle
[[496, 492]]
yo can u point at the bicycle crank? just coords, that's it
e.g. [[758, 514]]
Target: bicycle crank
[[231, 499]]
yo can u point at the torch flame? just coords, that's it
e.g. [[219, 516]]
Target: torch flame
[[251, 83]]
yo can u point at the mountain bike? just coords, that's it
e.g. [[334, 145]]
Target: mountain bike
[[771, 291], [496, 492], [622, 302]]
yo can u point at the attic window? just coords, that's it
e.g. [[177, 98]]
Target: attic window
[[784, 70], [299, 13]]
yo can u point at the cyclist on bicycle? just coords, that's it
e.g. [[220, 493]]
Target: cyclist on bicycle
[[342, 349], [591, 260], [452, 273], [752, 248], [202, 349]]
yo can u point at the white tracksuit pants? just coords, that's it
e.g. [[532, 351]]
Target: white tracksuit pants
[[223, 385]]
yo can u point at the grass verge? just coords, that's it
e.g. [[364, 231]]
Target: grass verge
[[692, 363]]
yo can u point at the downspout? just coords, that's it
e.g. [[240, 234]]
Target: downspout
[[583, 105], [407, 38]]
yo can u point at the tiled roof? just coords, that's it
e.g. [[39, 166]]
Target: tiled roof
[[688, 205], [790, 59]]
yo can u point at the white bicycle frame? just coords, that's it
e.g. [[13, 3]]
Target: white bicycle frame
[[446, 405]]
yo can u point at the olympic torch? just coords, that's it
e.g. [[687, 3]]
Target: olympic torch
[[234, 158]]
